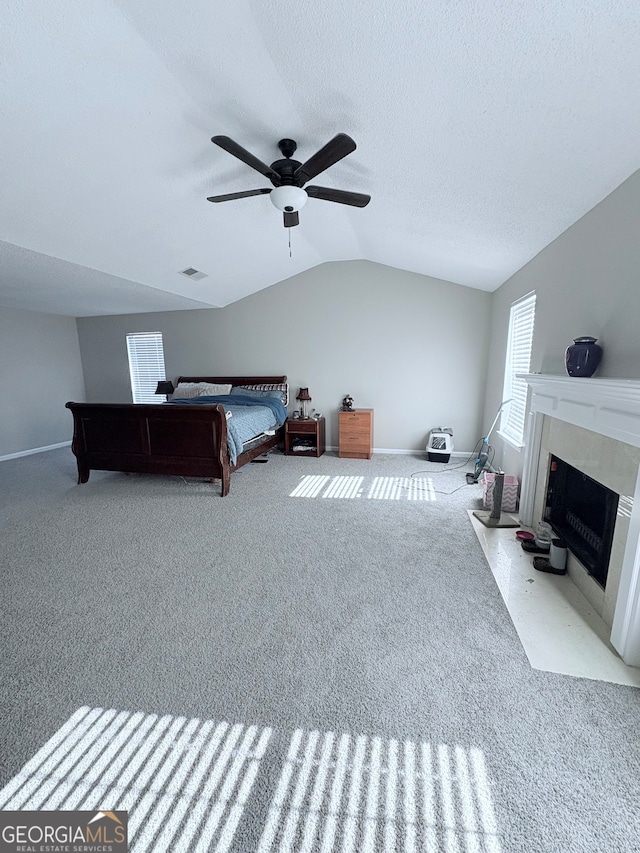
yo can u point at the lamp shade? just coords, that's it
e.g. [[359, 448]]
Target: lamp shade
[[165, 387], [303, 394], [288, 199]]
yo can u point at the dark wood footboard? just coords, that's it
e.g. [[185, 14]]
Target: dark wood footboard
[[190, 441]]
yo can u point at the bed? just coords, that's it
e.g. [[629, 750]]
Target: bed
[[199, 436]]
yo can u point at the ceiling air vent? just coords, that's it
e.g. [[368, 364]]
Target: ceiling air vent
[[193, 274]]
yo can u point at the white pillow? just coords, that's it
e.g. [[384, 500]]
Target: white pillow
[[210, 389], [186, 390]]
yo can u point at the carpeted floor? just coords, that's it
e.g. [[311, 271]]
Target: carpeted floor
[[320, 661]]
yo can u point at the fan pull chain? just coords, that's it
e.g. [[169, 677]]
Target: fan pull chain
[[289, 230]]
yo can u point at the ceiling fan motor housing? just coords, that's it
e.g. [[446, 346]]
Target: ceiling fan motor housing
[[286, 169]]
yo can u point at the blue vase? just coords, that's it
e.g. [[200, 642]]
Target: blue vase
[[583, 356]]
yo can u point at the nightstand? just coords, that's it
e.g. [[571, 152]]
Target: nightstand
[[355, 434], [298, 432]]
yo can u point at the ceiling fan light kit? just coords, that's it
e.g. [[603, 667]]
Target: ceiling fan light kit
[[288, 176], [289, 199]]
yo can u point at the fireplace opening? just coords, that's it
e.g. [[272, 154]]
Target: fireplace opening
[[583, 513]]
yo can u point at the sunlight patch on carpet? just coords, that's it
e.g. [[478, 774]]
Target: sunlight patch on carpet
[[402, 488], [380, 488], [185, 784], [368, 795]]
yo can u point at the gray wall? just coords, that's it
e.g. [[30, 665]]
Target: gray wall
[[587, 283], [411, 347], [42, 370]]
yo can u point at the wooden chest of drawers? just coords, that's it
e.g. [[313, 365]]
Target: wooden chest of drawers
[[355, 434]]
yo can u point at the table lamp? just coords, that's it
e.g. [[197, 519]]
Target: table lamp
[[165, 387], [305, 398]]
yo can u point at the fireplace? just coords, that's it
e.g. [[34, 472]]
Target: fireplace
[[594, 426], [583, 513]]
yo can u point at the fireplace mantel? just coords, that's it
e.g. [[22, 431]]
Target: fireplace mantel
[[606, 406], [609, 407]]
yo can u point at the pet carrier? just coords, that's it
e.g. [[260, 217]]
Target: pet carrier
[[440, 444]]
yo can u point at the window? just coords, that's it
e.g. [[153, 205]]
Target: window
[[146, 365], [518, 360]]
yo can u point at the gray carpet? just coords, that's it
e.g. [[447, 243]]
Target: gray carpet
[[320, 661]]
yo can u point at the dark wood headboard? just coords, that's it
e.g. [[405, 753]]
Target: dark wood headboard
[[235, 380], [238, 380]]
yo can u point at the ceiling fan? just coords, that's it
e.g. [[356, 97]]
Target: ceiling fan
[[289, 176]]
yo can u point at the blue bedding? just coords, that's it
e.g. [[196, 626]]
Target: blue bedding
[[250, 416]]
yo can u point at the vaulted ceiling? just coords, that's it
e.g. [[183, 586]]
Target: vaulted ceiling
[[483, 131]]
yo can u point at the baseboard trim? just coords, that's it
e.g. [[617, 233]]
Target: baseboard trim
[[461, 454], [389, 450], [34, 450]]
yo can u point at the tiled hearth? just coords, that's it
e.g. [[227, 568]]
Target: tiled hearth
[[559, 629]]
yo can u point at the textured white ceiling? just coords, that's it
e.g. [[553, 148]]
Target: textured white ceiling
[[484, 130]]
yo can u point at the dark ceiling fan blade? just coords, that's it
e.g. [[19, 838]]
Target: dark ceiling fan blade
[[242, 154], [245, 194], [341, 196], [291, 219], [334, 150]]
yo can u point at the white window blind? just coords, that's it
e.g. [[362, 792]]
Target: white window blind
[[146, 365], [518, 360]]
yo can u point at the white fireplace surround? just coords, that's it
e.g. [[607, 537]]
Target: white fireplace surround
[[609, 407]]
